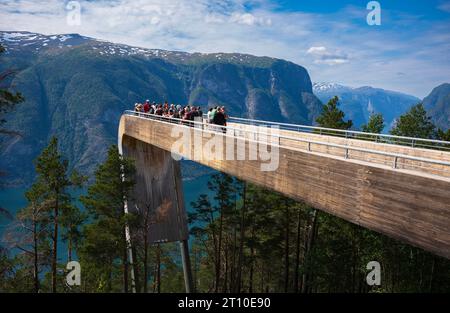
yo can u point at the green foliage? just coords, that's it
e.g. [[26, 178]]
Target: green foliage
[[332, 116], [245, 239], [415, 123], [114, 180], [375, 124], [36, 233], [51, 168], [443, 135], [71, 222], [34, 227], [288, 246], [54, 181], [359, 103], [103, 248]]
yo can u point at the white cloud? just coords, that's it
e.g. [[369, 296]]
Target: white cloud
[[249, 19], [444, 7], [366, 56], [321, 55], [315, 50]]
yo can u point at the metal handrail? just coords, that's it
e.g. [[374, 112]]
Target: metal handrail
[[345, 132], [346, 148]]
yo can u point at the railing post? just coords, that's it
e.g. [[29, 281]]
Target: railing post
[[395, 162], [346, 153], [309, 146]]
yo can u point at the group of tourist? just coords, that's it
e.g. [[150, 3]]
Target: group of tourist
[[187, 114]]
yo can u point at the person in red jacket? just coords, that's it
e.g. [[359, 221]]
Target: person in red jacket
[[147, 106]]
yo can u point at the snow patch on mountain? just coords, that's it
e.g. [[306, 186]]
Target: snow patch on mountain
[[327, 87], [19, 41]]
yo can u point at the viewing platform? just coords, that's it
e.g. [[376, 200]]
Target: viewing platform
[[397, 186]]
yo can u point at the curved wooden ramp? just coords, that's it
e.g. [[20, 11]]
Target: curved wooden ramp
[[399, 191]]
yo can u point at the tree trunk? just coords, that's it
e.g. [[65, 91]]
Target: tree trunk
[[155, 275], [433, 265], [158, 269], [109, 284], [233, 262], [195, 272], [252, 256], [354, 259], [55, 243], [36, 260], [219, 250], [125, 272], [145, 280], [297, 252], [241, 242], [69, 249], [286, 252], [309, 243], [225, 283]]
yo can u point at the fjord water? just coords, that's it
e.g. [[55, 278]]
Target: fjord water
[[13, 199]]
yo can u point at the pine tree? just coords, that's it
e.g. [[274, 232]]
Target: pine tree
[[52, 176], [104, 239], [332, 116], [415, 123], [31, 232], [35, 213], [375, 124], [222, 184], [71, 221], [443, 135]]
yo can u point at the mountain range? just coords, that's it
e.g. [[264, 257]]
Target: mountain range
[[359, 103], [77, 87]]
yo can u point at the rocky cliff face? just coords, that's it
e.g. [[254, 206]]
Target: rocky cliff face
[[437, 104], [76, 88]]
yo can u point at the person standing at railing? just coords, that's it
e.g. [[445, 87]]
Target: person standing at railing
[[159, 110], [211, 115], [138, 107], [147, 106], [195, 113], [214, 112], [186, 116], [176, 114], [210, 118], [152, 110], [220, 118], [200, 113]]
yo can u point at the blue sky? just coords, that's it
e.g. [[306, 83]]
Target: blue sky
[[408, 52]]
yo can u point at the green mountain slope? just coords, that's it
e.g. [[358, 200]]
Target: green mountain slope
[[76, 88], [437, 104]]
